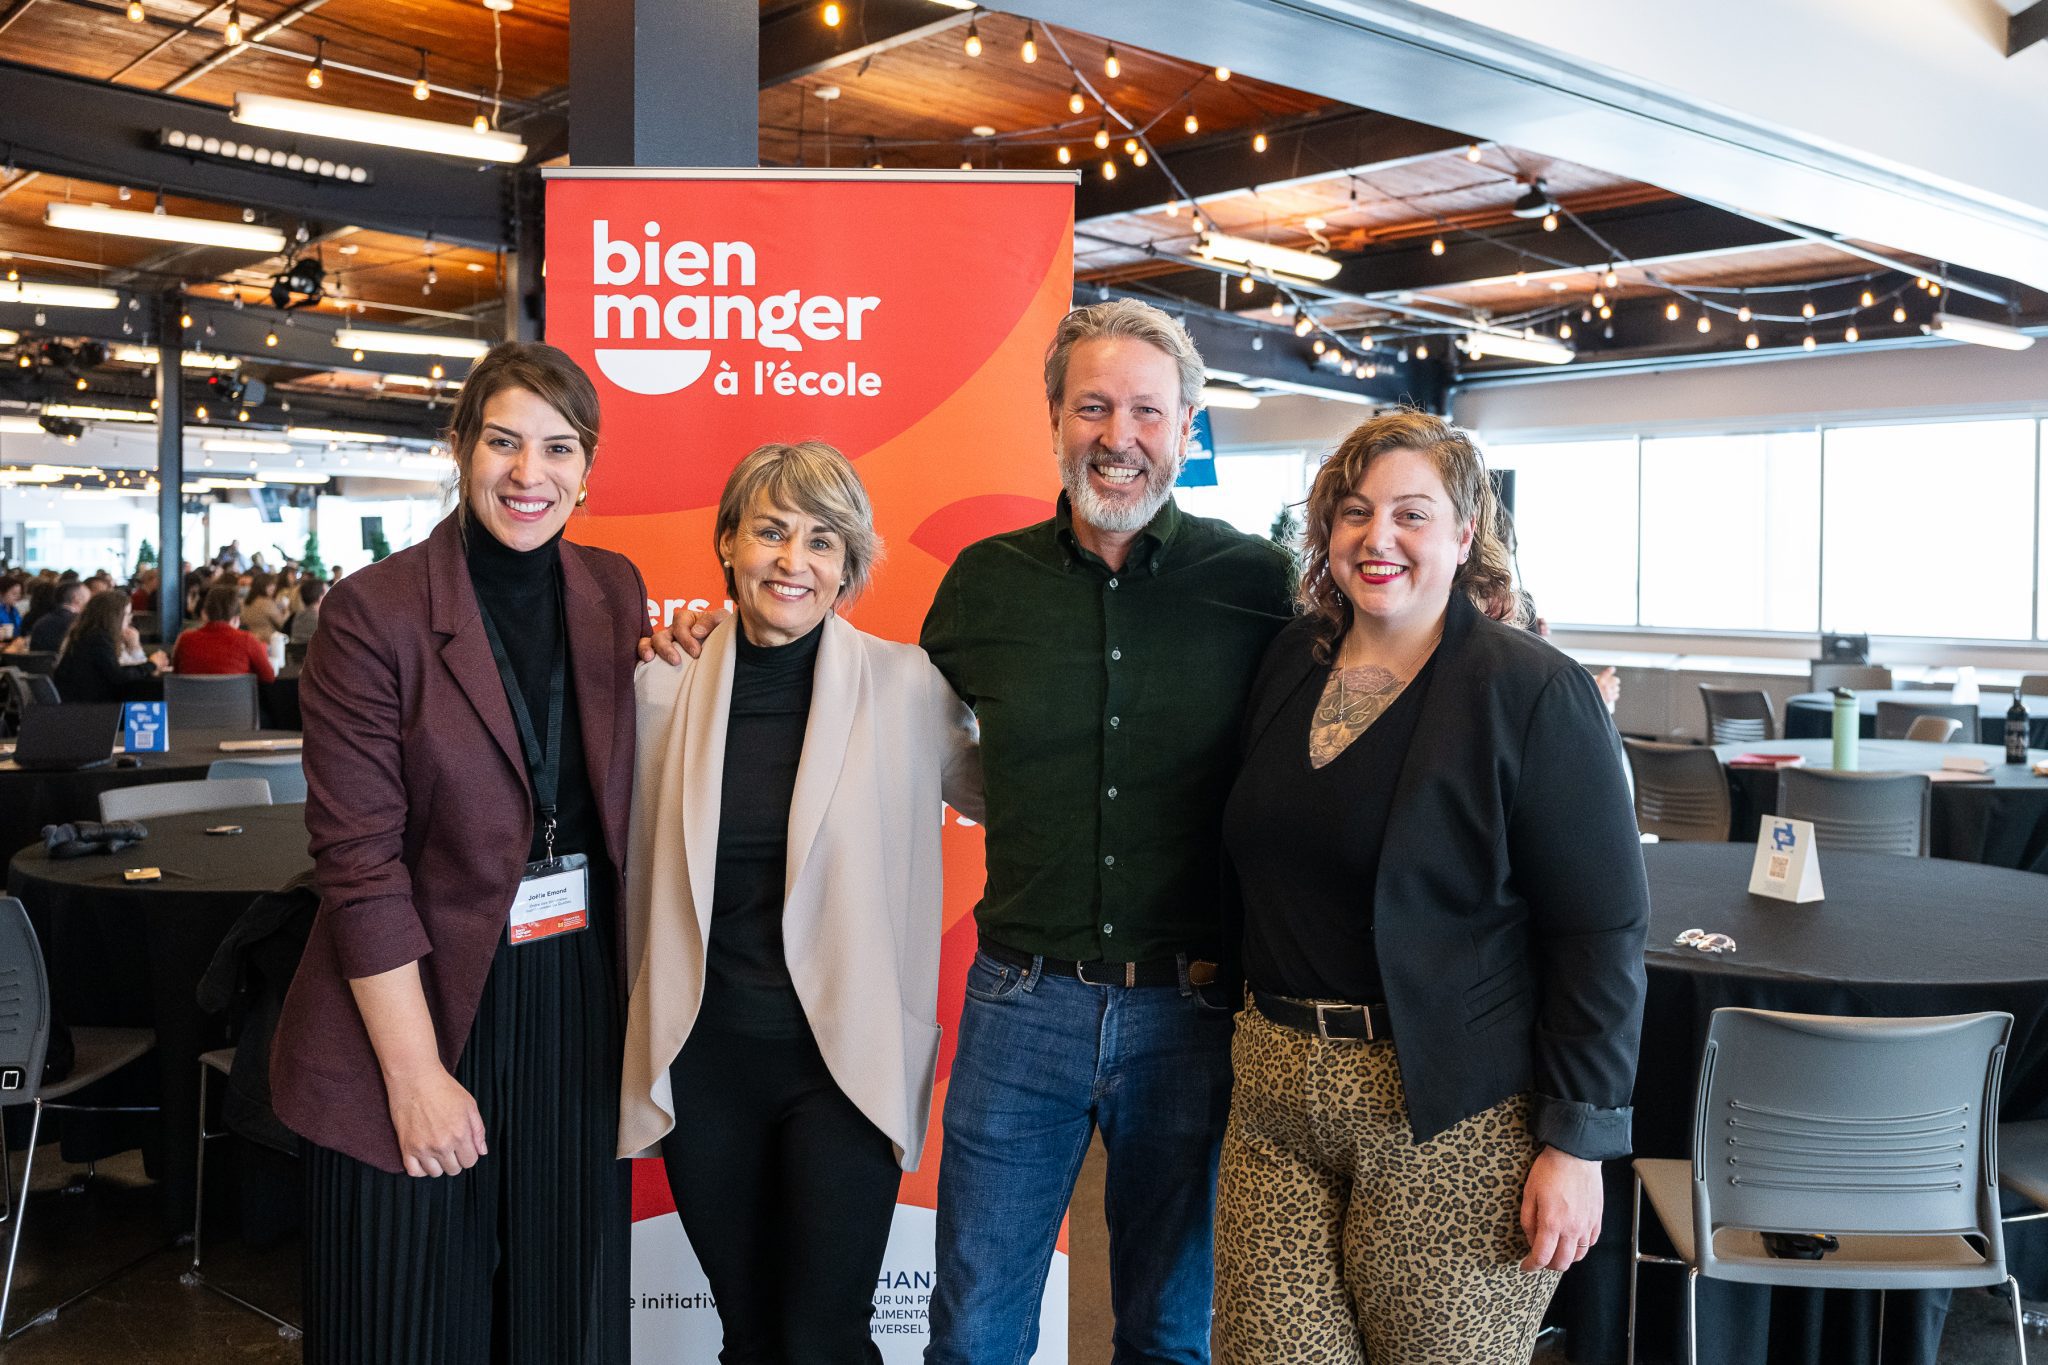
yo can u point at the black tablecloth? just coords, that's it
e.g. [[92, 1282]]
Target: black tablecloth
[[1811, 715], [28, 800], [132, 953], [2003, 822], [280, 701], [1894, 936]]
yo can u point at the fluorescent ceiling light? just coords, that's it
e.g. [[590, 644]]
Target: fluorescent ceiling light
[[1542, 350], [38, 475], [193, 488], [163, 227], [1277, 260], [249, 447], [442, 463], [304, 476], [192, 360], [323, 434], [1216, 396], [8, 336], [57, 295], [232, 483], [87, 413], [409, 343], [382, 130], [20, 426], [1950, 327]]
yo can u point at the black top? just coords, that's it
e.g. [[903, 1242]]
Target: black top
[[521, 590], [746, 973], [91, 670], [1305, 842], [46, 636]]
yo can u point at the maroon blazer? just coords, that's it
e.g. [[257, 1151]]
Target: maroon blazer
[[419, 812]]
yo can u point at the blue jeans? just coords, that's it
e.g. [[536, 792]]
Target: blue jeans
[[1043, 1061]]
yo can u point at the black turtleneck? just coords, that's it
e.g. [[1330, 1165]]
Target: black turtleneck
[[747, 987], [521, 590]]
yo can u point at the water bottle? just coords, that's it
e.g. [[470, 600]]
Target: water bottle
[[1965, 693], [1848, 722], [2016, 731]]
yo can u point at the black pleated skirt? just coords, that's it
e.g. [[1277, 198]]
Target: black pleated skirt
[[522, 1259]]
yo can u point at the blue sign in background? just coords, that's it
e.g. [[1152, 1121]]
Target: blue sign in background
[[1200, 470], [146, 726]]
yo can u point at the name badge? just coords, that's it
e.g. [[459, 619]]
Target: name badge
[[1785, 868], [553, 898]]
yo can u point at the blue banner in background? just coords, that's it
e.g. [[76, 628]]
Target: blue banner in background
[[1200, 470]]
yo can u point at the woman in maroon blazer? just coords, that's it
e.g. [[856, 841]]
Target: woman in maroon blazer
[[451, 1045]]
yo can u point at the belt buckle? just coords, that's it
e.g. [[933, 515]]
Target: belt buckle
[[1130, 974], [1323, 1022]]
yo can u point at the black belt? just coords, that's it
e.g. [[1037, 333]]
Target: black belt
[[1162, 971], [1330, 1022]]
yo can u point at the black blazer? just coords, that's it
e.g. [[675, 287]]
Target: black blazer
[[91, 670], [1511, 908]]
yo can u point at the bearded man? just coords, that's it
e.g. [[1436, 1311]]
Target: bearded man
[[1107, 653]]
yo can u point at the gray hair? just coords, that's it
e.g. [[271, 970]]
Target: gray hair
[[1132, 318], [811, 477]]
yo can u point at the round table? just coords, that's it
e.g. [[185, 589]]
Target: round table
[[1894, 936], [1811, 715], [2003, 822], [30, 800], [132, 953]]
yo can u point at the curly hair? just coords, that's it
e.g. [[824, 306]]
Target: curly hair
[[1487, 576]]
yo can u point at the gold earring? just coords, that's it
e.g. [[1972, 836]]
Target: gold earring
[[583, 495]]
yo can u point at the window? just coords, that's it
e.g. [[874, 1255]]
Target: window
[[1575, 520], [1731, 532], [1929, 529]]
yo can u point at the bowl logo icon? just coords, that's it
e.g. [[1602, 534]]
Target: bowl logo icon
[[653, 372]]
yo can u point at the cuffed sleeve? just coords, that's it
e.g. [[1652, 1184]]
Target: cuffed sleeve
[[960, 738], [1577, 862], [356, 800]]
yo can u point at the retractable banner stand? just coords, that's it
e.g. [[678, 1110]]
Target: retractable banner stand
[[901, 316]]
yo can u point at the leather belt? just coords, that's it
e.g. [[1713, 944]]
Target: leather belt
[[1163, 971], [1332, 1022]]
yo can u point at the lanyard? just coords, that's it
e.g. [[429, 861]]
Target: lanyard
[[544, 768]]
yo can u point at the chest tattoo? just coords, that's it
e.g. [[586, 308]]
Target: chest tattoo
[[1352, 700]]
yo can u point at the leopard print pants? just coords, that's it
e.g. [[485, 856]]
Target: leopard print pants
[[1340, 1239]]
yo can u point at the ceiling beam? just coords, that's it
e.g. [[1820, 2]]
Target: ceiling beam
[[1356, 142], [72, 126], [2026, 28], [795, 43]]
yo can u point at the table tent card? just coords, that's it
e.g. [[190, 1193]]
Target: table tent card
[[1786, 866], [146, 727]]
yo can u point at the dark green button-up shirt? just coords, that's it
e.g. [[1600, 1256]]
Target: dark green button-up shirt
[[1109, 706]]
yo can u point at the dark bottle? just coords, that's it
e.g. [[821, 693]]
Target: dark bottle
[[2016, 731]]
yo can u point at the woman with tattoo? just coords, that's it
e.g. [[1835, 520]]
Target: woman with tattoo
[[1444, 910]]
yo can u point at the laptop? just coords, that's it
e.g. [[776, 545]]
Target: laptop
[[67, 738]]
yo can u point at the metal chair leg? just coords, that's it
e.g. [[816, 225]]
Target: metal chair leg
[[19, 1212], [1635, 1248], [1880, 1327], [1692, 1317], [2019, 1325], [199, 1177]]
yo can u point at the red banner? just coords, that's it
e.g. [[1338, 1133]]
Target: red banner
[[901, 316]]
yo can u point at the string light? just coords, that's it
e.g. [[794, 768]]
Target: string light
[[1222, 73], [1599, 299], [1029, 52], [135, 14], [1550, 222], [1852, 334], [1610, 279], [1752, 341], [1173, 208], [1933, 290], [316, 74], [1422, 351], [1302, 325], [1111, 67], [1436, 246], [1191, 123], [1130, 146], [973, 43], [1064, 155], [234, 31], [1806, 310], [1808, 342], [1606, 311], [1742, 314], [1319, 346], [185, 321], [1074, 101], [1899, 313], [1140, 157], [270, 338], [1258, 142], [1278, 309], [1244, 285], [419, 85], [831, 16], [1564, 331], [200, 412], [1705, 324], [1671, 311], [1867, 299], [1920, 283], [966, 164], [1102, 135], [482, 121], [1109, 168], [1472, 152]]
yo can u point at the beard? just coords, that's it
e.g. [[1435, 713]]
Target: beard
[[1119, 516]]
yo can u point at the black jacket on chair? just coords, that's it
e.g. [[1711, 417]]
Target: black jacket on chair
[[1511, 907]]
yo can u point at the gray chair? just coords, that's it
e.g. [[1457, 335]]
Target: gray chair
[[1856, 677], [1859, 812], [1738, 715], [199, 701], [24, 1039], [1880, 1132], [1935, 730], [285, 773], [1681, 791], [1895, 718], [2034, 684], [220, 1061], [180, 798]]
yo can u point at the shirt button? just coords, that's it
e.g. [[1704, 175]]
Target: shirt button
[[1112, 793], [1109, 861], [1116, 654], [1115, 721], [1112, 584], [1109, 928]]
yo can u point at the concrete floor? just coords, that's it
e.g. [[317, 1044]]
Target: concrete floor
[[148, 1317]]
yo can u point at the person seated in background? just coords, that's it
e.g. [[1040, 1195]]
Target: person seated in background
[[91, 668], [307, 618], [99, 583], [220, 645], [13, 590], [143, 596], [262, 614], [46, 636]]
